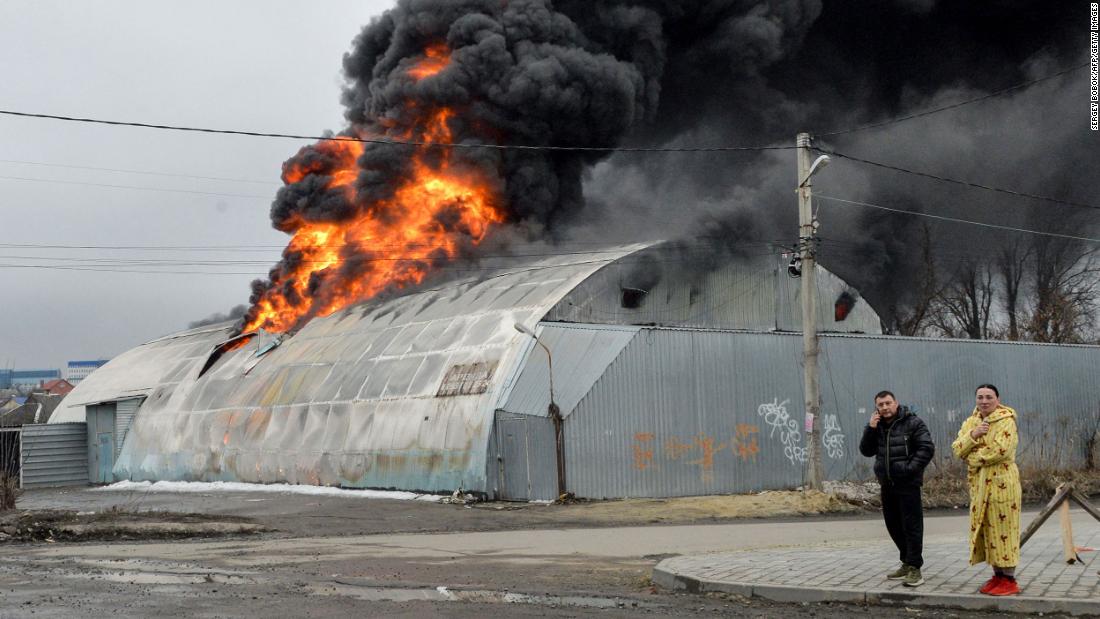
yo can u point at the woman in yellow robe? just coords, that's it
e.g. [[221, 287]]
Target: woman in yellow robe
[[987, 442]]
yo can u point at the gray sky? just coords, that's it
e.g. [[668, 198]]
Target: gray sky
[[261, 65]]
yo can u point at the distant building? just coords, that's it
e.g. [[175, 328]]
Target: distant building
[[35, 408], [26, 379], [79, 370], [57, 386]]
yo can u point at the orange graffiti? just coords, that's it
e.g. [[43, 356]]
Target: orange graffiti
[[675, 448], [744, 441], [706, 462], [643, 451]]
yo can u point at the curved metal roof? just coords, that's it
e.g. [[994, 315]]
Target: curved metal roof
[[398, 393]]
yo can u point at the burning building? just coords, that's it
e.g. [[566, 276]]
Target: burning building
[[422, 390], [382, 350]]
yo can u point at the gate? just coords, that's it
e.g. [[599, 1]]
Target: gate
[[527, 457]]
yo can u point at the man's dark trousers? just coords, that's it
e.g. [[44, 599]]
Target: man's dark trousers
[[904, 516]]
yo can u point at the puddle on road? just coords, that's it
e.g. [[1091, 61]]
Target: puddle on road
[[132, 571], [443, 594]]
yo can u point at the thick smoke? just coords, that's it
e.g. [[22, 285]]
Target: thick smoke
[[238, 311], [713, 73], [808, 66]]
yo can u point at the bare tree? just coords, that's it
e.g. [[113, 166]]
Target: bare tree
[[1011, 265], [912, 318], [962, 308], [1064, 291]]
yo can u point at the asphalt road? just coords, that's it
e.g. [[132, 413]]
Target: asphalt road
[[521, 562]]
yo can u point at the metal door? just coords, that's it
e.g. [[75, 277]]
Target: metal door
[[106, 458], [527, 457], [101, 443]]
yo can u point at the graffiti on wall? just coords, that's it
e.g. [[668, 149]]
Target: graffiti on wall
[[833, 438], [784, 429], [700, 451]]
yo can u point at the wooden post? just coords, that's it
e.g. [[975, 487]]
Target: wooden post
[[1060, 495], [1069, 551], [1060, 502]]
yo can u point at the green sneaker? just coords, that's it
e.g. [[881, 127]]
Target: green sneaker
[[913, 578], [898, 574]]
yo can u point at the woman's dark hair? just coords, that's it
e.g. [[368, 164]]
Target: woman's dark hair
[[990, 387]]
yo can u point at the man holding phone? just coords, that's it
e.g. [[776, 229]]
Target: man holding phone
[[901, 446]]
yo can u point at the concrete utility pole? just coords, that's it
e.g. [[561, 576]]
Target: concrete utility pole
[[807, 232]]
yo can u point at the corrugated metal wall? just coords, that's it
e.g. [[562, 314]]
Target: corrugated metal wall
[[695, 412], [55, 455], [125, 410]]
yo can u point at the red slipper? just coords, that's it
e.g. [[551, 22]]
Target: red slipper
[[989, 584], [1007, 586]]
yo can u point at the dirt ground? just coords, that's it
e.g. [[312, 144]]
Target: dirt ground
[[304, 515]]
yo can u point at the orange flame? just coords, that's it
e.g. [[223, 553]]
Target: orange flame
[[436, 58], [396, 249]]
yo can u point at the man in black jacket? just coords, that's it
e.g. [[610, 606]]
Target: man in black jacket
[[902, 447]]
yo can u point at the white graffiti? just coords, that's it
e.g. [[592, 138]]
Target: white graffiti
[[775, 415], [833, 438]]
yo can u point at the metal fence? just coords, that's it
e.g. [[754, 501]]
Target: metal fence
[[55, 455], [683, 412]]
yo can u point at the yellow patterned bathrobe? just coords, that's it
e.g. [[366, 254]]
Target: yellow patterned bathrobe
[[994, 487]]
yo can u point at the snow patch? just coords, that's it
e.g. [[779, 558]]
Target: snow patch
[[233, 486]]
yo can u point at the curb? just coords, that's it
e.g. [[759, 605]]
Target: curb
[[666, 576]]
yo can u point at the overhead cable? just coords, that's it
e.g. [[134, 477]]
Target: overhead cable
[[1021, 194], [952, 106], [956, 220], [394, 142]]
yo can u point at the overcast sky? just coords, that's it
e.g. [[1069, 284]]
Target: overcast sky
[[259, 65]]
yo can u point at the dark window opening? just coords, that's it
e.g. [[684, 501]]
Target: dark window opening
[[224, 347], [632, 297]]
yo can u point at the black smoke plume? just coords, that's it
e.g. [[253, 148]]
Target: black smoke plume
[[714, 73]]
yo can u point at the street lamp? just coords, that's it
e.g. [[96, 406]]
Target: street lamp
[[552, 411]]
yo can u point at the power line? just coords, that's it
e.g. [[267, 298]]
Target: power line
[[600, 246], [701, 249], [110, 186], [952, 106], [144, 172], [453, 268], [945, 179], [393, 142], [957, 220]]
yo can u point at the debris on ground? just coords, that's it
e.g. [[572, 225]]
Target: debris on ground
[[458, 497], [58, 525], [773, 503]]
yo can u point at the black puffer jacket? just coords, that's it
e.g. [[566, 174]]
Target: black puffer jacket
[[901, 448]]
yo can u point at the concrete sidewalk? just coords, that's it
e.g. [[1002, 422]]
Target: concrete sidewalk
[[855, 572]]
